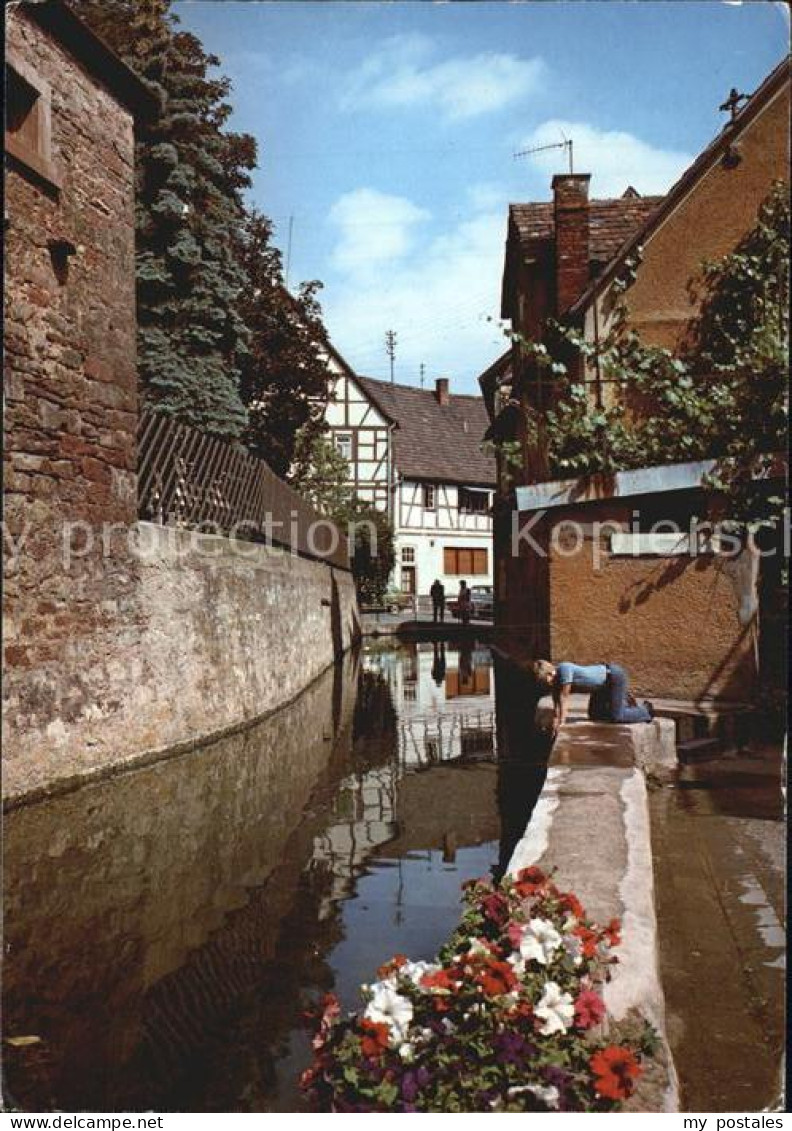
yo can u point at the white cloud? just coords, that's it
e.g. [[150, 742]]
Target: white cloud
[[400, 74], [374, 229], [614, 158], [436, 297]]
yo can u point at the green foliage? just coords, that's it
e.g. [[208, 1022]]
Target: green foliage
[[373, 553], [321, 474], [192, 338], [724, 396], [285, 376]]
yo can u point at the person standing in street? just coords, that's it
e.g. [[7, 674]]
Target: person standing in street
[[465, 603], [438, 601]]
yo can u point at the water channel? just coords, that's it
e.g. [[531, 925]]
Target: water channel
[[166, 930]]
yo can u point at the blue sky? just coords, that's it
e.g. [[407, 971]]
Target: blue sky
[[387, 132]]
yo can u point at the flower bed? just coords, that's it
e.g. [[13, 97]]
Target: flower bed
[[509, 1018]]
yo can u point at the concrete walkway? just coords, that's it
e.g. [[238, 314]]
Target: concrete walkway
[[591, 824], [719, 853]]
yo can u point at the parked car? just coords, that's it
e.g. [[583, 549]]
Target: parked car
[[482, 602]]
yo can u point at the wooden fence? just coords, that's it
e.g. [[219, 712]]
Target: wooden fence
[[189, 479]]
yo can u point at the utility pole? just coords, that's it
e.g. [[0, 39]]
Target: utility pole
[[422, 371], [288, 252], [390, 349]]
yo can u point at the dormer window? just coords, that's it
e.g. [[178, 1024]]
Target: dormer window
[[28, 133]]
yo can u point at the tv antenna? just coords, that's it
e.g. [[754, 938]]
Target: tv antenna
[[565, 144], [390, 349]]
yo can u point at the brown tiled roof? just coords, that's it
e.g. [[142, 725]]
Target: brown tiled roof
[[434, 442], [611, 222]]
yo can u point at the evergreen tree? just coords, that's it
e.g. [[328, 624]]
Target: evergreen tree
[[285, 376], [193, 340]]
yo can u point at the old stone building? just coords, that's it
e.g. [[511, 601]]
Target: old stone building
[[681, 614], [70, 378]]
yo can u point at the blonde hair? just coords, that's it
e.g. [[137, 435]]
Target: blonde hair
[[543, 672]]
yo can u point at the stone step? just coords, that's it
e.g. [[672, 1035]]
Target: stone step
[[699, 749]]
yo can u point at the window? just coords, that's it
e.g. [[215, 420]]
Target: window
[[27, 128], [473, 502], [343, 443], [463, 561], [408, 555], [429, 497]]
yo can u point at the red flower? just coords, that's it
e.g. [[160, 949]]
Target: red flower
[[589, 1009], [496, 908], [495, 978], [570, 902], [589, 939], [375, 1038], [440, 980], [523, 1009], [529, 881], [615, 1070], [391, 967], [613, 932]]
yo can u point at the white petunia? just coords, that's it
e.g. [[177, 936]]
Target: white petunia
[[517, 963], [540, 941], [556, 1009], [387, 1007], [548, 1095], [416, 970], [476, 946]]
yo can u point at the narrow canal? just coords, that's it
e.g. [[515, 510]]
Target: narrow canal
[[167, 930]]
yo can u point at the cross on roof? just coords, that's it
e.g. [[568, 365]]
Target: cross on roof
[[733, 101]]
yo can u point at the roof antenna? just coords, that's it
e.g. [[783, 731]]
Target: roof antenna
[[565, 144]]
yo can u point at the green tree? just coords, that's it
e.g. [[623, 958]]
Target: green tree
[[321, 475], [285, 376], [373, 553], [191, 171]]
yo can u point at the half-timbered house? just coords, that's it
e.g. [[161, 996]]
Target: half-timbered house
[[416, 453]]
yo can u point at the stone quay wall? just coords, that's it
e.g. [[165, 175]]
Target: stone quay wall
[[121, 640], [214, 635]]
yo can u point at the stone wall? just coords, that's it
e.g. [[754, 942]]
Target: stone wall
[[70, 372], [215, 634], [683, 626]]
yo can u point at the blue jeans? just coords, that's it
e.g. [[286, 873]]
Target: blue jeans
[[611, 706]]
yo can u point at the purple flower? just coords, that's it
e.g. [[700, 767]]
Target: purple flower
[[511, 1047], [409, 1087]]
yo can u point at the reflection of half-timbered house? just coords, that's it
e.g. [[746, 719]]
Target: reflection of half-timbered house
[[417, 454]]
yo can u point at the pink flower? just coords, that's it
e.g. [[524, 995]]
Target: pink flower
[[589, 1009]]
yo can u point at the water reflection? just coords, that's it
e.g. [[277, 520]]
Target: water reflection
[[165, 931]]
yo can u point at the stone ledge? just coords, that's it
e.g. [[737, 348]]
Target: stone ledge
[[591, 826], [649, 746]]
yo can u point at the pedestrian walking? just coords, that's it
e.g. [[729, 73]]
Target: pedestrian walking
[[464, 602], [610, 700], [437, 593]]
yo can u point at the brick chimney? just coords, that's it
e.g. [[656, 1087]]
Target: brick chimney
[[441, 391], [571, 214]]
